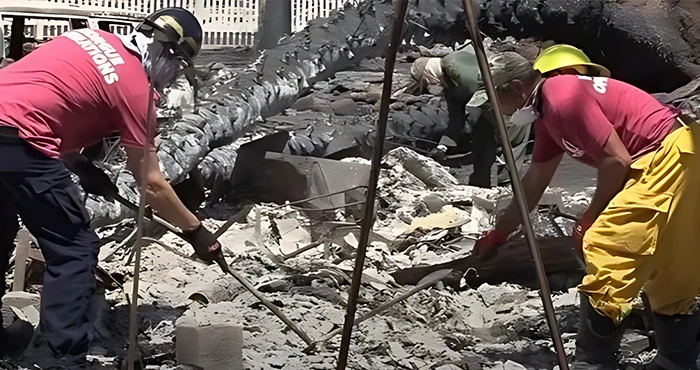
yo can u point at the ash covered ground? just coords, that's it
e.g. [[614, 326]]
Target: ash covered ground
[[425, 216]]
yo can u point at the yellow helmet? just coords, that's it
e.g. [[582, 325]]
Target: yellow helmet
[[561, 56]]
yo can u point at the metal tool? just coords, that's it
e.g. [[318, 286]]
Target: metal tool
[[129, 204], [221, 261], [545, 293], [271, 306], [428, 281], [400, 7]]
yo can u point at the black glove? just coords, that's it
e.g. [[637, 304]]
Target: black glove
[[204, 243], [92, 179]]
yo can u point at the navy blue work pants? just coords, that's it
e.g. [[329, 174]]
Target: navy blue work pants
[[39, 189]]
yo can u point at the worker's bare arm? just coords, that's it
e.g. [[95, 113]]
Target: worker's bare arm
[[535, 181], [612, 172], [160, 195]]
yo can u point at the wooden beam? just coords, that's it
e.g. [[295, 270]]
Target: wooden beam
[[24, 239], [513, 263]]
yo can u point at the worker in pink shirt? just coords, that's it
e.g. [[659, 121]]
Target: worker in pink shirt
[[639, 229], [64, 96]]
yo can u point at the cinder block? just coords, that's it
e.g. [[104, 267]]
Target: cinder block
[[213, 347]]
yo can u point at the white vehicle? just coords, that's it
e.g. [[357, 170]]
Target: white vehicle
[[21, 22]]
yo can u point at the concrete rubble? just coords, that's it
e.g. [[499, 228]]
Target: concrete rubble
[[486, 326], [301, 257]]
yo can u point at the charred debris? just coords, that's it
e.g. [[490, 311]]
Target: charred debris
[[272, 150]]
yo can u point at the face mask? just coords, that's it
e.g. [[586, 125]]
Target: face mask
[[161, 66], [524, 116]]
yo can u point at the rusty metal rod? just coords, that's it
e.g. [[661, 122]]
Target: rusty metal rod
[[129, 204], [545, 293], [400, 7], [133, 314], [238, 217], [425, 283], [271, 306], [225, 267], [319, 196]]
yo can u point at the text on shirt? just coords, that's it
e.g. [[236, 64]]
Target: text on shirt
[[600, 84], [104, 55]]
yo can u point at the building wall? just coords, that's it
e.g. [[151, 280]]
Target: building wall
[[225, 22], [305, 10]]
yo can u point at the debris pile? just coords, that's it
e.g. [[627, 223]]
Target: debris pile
[[426, 302], [231, 101], [303, 265]]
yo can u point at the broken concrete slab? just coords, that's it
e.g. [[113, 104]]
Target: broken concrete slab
[[25, 305], [568, 298], [512, 365], [307, 177], [437, 51], [433, 202], [21, 299], [292, 235], [634, 342], [491, 294]]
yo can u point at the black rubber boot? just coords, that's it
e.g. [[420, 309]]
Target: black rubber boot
[[598, 340], [676, 341], [15, 338]]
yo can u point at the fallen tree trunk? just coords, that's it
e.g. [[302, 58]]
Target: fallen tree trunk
[[513, 263], [653, 44], [273, 83], [609, 32]]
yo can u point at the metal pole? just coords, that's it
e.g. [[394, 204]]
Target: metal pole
[[400, 7], [517, 185], [271, 306], [133, 315], [426, 282]]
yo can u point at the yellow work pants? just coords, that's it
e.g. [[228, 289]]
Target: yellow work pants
[[648, 237]]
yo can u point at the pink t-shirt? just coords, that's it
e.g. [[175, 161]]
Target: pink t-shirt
[[579, 113], [74, 90]]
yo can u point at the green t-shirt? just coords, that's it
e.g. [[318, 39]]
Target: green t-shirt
[[461, 72]]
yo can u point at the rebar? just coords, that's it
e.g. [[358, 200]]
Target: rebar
[[400, 7], [425, 283], [271, 306], [133, 314]]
